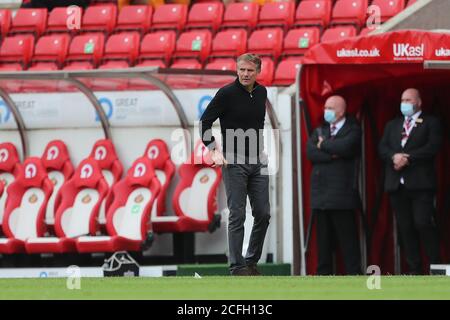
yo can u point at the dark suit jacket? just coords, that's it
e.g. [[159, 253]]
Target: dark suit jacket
[[422, 146], [334, 175]]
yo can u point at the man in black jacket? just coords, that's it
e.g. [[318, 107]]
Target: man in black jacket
[[334, 149], [408, 147], [241, 107]]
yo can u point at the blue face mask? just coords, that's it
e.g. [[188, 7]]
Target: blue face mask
[[329, 116], [407, 109]]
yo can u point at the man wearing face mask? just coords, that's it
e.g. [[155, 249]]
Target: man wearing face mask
[[408, 148], [333, 149]]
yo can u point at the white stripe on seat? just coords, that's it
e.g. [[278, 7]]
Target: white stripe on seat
[[94, 239], [43, 240], [58, 179], [165, 219]]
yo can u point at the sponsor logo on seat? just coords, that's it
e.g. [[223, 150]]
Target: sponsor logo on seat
[[139, 198], [153, 152], [33, 198], [139, 170], [86, 199], [4, 155], [100, 153], [86, 171], [52, 153], [30, 171], [204, 179]]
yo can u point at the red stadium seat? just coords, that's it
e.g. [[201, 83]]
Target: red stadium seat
[[229, 43], [122, 46], [314, 12], [286, 72], [389, 8], [349, 12], [60, 17], [99, 18], [129, 222], [159, 156], [222, 64], [194, 44], [170, 16], [277, 14], [241, 15], [87, 48], [52, 48], [158, 45], [297, 41], [338, 33], [267, 42], [205, 15], [186, 64], [267, 70], [9, 171], [135, 18], [78, 204], [56, 161], [5, 22], [105, 154], [193, 213], [152, 63], [25, 210], [17, 49], [29, 21]]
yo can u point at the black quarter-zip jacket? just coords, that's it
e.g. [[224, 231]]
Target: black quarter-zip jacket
[[241, 114]]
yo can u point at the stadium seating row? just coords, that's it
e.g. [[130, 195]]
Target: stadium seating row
[[192, 49], [213, 16], [48, 207]]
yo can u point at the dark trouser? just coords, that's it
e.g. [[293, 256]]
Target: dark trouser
[[342, 224], [242, 180], [414, 211]]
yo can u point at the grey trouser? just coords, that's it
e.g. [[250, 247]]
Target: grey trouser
[[242, 180]]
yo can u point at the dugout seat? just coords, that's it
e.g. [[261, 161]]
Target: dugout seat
[[78, 205], [9, 171], [128, 219], [105, 154], [59, 168], [195, 197], [25, 209], [159, 156]]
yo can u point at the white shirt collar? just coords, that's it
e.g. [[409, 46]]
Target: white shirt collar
[[338, 125], [414, 116]]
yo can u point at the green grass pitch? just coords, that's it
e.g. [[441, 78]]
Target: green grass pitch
[[230, 288]]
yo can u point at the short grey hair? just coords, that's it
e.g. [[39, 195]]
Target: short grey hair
[[254, 58]]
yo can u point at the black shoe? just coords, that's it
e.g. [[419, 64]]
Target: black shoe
[[241, 272], [253, 270]]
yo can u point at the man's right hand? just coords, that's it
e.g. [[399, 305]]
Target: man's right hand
[[217, 158], [400, 160]]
